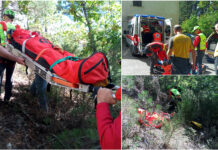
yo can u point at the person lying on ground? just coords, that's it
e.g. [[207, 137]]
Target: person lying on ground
[[109, 130]]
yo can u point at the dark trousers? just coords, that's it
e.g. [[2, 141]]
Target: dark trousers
[[153, 62], [216, 65], [38, 88], [199, 58], [9, 67], [180, 65]]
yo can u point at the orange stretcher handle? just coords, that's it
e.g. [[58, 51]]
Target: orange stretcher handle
[[62, 82]]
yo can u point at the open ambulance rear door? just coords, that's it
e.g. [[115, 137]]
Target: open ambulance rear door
[[167, 30]]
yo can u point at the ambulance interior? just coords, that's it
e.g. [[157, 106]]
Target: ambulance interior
[[154, 25]]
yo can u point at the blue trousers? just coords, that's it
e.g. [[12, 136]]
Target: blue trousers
[[199, 58], [38, 88], [9, 67]]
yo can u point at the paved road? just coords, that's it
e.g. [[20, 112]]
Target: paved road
[[140, 65], [134, 65]]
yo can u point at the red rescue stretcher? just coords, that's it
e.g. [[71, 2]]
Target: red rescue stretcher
[[153, 119], [50, 77], [56, 66]]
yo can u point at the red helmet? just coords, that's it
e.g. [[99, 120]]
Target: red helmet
[[157, 36], [146, 28]]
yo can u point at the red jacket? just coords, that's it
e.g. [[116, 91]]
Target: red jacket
[[109, 130]]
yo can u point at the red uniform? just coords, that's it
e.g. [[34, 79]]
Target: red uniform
[[109, 130]]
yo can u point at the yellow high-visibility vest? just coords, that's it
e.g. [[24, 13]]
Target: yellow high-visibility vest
[[203, 41]]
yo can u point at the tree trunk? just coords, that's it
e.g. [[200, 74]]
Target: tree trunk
[[2, 9], [90, 34]]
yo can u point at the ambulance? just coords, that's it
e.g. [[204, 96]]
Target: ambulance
[[137, 39]]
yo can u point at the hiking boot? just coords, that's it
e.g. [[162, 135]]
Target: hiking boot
[[44, 107], [157, 72], [6, 99], [152, 73]]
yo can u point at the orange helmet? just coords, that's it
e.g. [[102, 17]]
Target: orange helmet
[[157, 36], [146, 28]]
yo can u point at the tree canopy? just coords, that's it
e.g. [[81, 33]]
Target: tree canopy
[[202, 13]]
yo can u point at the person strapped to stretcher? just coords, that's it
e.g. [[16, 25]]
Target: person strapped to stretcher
[[156, 51], [57, 66]]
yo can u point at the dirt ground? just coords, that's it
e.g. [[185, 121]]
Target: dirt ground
[[23, 125]]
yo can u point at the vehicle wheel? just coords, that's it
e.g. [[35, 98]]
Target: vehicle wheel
[[132, 49]]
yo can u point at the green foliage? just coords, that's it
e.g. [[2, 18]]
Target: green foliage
[[186, 9], [115, 109], [199, 102], [206, 20], [5, 3], [55, 93], [128, 81], [129, 115], [149, 101], [82, 109], [142, 96], [169, 126], [47, 120], [76, 138], [105, 30], [23, 6], [159, 107], [189, 24]]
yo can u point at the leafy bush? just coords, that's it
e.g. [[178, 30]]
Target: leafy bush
[[188, 25], [205, 21], [77, 138], [199, 103]]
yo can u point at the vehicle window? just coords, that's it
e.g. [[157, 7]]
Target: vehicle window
[[154, 24], [167, 30], [137, 3], [130, 29]]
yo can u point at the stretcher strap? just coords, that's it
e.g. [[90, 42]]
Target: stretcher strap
[[40, 53], [62, 82], [63, 59], [23, 46]]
